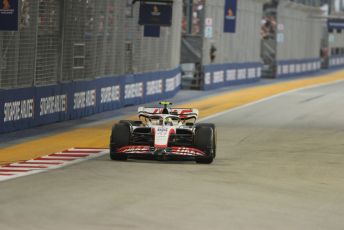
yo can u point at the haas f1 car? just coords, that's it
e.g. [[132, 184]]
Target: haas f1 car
[[164, 134]]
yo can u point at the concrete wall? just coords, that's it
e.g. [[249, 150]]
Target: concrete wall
[[242, 46], [153, 54], [299, 32], [336, 40]]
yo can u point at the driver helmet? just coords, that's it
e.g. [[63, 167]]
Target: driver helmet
[[168, 121], [160, 121]]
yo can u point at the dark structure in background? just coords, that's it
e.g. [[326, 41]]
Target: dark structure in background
[[192, 43], [268, 39]]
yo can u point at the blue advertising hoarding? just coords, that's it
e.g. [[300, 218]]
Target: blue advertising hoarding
[[220, 75], [151, 31], [230, 16], [296, 67], [155, 13], [335, 24], [29, 107], [8, 15]]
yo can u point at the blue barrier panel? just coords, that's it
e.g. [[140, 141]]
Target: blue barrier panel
[[29, 107], [297, 67], [133, 90], [337, 61], [219, 75], [110, 94], [157, 85], [51, 103], [17, 109]]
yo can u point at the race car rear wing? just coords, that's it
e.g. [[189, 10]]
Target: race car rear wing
[[182, 113]]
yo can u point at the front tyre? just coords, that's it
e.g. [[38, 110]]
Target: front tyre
[[120, 136], [204, 140], [211, 125]]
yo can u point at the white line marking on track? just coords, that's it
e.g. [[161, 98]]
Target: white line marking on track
[[49, 162], [268, 98]]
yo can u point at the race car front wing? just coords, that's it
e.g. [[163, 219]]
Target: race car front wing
[[136, 150]]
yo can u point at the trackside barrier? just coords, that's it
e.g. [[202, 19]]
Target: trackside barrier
[[298, 67], [29, 107], [337, 61], [219, 75]]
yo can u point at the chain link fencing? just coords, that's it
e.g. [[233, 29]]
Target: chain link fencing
[[69, 40]]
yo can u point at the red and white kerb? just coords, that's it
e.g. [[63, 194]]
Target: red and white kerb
[[48, 162]]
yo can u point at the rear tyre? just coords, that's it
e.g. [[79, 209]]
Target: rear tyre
[[120, 136], [204, 140]]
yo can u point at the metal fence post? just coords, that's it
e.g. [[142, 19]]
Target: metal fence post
[[36, 45], [62, 32]]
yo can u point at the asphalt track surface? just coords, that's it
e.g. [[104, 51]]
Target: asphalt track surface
[[280, 165]]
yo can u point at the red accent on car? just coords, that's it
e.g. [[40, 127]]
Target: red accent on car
[[157, 111], [188, 150], [181, 113], [134, 148]]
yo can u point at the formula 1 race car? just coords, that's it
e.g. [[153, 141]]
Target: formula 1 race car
[[164, 134]]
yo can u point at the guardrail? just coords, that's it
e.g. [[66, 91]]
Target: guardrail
[[33, 106]]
